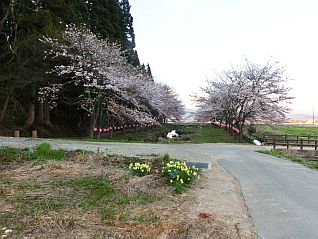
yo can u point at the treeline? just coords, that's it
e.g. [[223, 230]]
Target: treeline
[[40, 37]]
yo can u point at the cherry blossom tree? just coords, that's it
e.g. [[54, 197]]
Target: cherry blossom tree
[[112, 90], [246, 93]]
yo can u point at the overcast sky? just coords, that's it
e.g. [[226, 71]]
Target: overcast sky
[[187, 41]]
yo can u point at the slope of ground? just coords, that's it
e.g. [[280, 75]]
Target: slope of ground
[[94, 196]]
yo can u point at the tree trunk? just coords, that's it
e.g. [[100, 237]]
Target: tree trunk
[[46, 114], [91, 125], [40, 115], [241, 132], [31, 109], [4, 109], [100, 120], [31, 116]]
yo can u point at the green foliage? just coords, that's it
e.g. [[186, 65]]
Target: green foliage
[[108, 213], [287, 129], [150, 218], [55, 205], [282, 154], [9, 154], [89, 183], [44, 152], [140, 169], [166, 158], [197, 135], [275, 152], [98, 188], [41, 152], [143, 198], [179, 175]]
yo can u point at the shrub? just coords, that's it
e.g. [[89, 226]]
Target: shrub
[[179, 175], [140, 169]]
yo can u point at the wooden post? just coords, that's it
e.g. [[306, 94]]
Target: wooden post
[[301, 144], [315, 144], [274, 143], [17, 133], [34, 134]]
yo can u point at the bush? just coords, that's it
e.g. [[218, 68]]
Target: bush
[[179, 175], [139, 169]]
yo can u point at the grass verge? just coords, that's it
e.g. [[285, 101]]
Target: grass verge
[[191, 134], [286, 129], [280, 153]]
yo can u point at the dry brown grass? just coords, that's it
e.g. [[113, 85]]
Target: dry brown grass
[[49, 200]]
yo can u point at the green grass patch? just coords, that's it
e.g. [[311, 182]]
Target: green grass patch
[[10, 154], [195, 134], [149, 218], [280, 153], [108, 213], [286, 129], [143, 198], [44, 152], [99, 189]]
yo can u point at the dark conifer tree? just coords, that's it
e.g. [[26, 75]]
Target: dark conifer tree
[[148, 70]]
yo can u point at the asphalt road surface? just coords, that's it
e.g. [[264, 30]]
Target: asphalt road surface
[[282, 196]]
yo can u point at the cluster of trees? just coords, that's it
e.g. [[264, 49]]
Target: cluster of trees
[[110, 90], [73, 63], [244, 94]]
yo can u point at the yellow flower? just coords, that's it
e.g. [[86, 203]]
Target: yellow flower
[[181, 180], [171, 181]]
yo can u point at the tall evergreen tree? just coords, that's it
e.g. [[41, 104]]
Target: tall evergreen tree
[[148, 71]]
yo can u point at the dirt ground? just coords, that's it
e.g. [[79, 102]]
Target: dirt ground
[[212, 208]]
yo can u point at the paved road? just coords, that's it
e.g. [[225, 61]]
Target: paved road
[[282, 196]]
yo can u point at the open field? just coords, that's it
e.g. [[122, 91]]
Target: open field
[[286, 129], [193, 134]]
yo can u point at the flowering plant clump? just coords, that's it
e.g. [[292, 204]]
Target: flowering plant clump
[[179, 175], [140, 169]]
